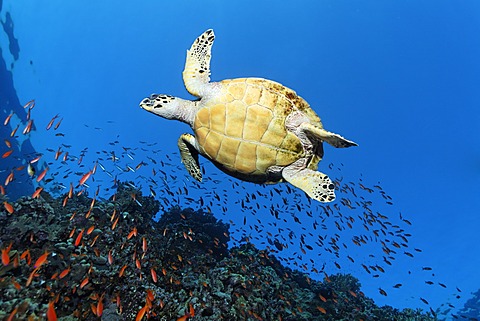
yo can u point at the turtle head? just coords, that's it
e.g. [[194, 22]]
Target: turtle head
[[168, 107]]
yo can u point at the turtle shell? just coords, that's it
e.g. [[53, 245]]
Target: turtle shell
[[241, 127]]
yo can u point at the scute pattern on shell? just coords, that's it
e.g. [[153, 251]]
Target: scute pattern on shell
[[242, 128]]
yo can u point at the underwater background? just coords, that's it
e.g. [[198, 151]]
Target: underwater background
[[400, 78]]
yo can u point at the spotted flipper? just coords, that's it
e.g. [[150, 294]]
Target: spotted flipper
[[317, 185], [333, 139], [189, 154], [197, 67]]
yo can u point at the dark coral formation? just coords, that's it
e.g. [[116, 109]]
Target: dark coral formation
[[471, 308], [111, 258]]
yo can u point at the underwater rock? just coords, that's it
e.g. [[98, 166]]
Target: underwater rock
[[471, 308], [8, 27], [93, 260]]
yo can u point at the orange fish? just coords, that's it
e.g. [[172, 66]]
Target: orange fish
[[84, 282], [110, 258], [58, 153], [36, 159], [85, 178], [117, 299], [190, 314], [100, 307], [32, 275], [65, 200], [26, 256], [51, 314], [28, 128], [30, 104], [132, 233], [5, 254], [16, 285], [79, 238], [122, 270], [141, 313], [115, 223], [51, 122], [42, 175], [11, 317], [14, 131], [150, 297], [7, 153], [139, 165], [37, 192], [58, 124], [8, 207], [94, 240], [72, 232], [90, 229], [321, 310], [7, 142], [7, 120], [9, 178], [16, 261], [154, 275], [41, 260], [144, 244], [92, 203], [70, 191], [64, 273]]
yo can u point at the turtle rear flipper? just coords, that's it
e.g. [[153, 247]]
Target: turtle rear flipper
[[317, 185], [197, 67], [189, 154], [333, 139]]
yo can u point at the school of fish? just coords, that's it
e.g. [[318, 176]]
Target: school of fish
[[278, 219]]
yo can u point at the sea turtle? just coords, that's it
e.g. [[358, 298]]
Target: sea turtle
[[254, 129]]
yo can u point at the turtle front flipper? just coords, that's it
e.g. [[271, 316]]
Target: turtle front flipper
[[333, 139], [317, 185], [189, 154], [197, 67]]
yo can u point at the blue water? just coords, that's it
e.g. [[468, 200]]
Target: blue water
[[400, 78]]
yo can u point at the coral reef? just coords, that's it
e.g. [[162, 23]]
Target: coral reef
[[85, 258]]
